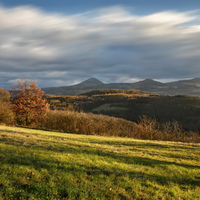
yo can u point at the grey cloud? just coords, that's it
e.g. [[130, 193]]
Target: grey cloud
[[111, 44]]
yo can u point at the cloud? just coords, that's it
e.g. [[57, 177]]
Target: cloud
[[111, 44]]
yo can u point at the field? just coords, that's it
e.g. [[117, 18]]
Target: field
[[37, 164]]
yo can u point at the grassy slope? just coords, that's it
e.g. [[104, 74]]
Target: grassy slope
[[38, 164]]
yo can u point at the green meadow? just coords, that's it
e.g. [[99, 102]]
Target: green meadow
[[36, 164]]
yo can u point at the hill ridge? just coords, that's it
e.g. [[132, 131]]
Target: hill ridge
[[181, 87]]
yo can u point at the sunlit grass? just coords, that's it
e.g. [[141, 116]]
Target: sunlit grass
[[37, 164]]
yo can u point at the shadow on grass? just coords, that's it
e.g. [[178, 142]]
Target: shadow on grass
[[119, 157], [146, 144], [10, 157]]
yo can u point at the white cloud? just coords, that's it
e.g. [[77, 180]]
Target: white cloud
[[109, 43]]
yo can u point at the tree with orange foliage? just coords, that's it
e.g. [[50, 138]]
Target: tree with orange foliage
[[28, 102]]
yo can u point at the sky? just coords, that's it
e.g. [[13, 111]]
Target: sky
[[64, 42]]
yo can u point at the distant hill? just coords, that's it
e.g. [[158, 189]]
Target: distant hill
[[183, 87], [92, 82]]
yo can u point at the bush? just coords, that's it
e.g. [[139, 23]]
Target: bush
[[87, 123], [6, 114], [90, 124], [169, 131]]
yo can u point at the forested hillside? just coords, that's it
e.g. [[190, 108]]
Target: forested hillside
[[132, 104]]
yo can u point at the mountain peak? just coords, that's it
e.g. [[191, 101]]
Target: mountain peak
[[148, 80], [91, 82], [149, 83]]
